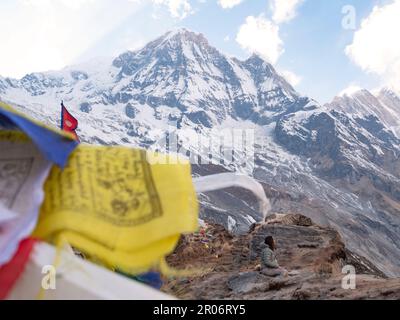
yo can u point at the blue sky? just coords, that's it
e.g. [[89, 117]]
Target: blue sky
[[304, 39]]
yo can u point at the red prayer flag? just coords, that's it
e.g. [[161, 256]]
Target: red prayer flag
[[68, 122], [10, 272]]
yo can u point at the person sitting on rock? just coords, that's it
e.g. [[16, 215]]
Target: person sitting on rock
[[269, 263]]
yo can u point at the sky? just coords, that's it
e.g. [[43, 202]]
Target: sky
[[323, 48]]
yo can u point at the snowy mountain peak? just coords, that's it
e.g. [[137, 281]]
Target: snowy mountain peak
[[181, 69], [183, 34], [390, 96], [257, 64], [354, 100], [361, 103], [389, 91], [256, 59], [349, 91]]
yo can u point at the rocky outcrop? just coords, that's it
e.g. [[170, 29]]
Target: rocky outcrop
[[313, 255]]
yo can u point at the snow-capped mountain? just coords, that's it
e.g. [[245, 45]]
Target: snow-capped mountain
[[385, 105], [338, 164]]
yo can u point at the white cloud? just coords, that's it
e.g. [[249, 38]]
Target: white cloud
[[227, 4], [291, 77], [261, 36], [375, 47], [40, 35], [284, 10], [178, 8]]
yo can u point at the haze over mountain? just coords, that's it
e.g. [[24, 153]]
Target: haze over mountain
[[338, 164]]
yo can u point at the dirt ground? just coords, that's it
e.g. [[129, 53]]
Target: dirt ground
[[227, 267]]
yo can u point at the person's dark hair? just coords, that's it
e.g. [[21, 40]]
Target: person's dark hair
[[269, 241]]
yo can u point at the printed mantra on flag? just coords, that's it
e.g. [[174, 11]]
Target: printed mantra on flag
[[121, 192]]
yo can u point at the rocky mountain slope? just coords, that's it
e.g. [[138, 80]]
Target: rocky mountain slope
[[385, 106], [314, 257], [340, 168]]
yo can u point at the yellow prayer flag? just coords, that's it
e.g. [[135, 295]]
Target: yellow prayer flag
[[117, 208]]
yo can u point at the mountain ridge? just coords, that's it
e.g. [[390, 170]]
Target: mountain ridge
[[384, 105]]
